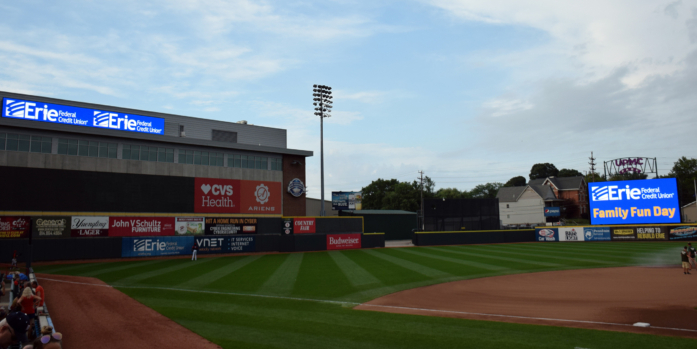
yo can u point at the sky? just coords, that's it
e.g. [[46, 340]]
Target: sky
[[466, 91]]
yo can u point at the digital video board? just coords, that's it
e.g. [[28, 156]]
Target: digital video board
[[634, 202]]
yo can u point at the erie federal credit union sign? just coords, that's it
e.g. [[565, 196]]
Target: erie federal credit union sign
[[646, 201], [14, 108]]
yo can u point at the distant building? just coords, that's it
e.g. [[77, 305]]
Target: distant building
[[525, 205], [689, 212], [314, 206], [572, 190]]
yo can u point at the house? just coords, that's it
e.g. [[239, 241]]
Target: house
[[525, 205], [573, 191], [689, 212]]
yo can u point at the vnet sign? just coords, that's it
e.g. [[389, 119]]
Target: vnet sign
[[634, 202], [61, 114]]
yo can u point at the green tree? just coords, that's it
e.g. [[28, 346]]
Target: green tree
[[543, 171], [450, 193], [595, 177], [685, 171], [488, 190], [374, 193], [515, 182], [565, 172], [630, 176]]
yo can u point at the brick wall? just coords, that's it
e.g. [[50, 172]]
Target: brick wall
[[293, 206]]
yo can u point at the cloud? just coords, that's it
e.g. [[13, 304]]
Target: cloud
[[370, 97]]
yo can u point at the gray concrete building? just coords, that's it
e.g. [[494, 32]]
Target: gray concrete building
[[47, 133]]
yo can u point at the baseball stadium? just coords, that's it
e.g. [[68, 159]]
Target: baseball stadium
[[190, 233]]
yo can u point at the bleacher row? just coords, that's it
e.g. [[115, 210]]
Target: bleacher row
[[43, 316]]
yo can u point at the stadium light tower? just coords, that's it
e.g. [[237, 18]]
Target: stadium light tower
[[322, 100]]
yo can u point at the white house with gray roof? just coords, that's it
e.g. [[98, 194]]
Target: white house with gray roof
[[524, 205]]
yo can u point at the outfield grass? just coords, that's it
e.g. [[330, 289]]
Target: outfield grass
[[221, 298]]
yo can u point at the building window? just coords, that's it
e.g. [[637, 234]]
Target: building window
[[507, 206], [145, 153], [196, 157], [3, 136], [508, 216], [248, 161], [276, 164], [86, 148]]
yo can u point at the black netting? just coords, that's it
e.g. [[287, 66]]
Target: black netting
[[461, 214]]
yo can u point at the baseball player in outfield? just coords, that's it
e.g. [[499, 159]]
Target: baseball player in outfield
[[194, 249], [685, 261], [691, 252]]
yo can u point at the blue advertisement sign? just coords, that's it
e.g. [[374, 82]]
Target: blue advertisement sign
[[547, 234], [156, 246], [683, 233], [63, 114], [551, 211], [346, 200], [226, 244], [597, 234], [634, 202]]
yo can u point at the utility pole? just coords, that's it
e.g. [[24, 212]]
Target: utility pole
[[592, 163], [423, 224]]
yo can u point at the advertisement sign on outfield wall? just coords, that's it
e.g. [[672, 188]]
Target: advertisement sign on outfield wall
[[597, 234], [685, 232], [189, 225], [552, 211], [230, 226], [15, 227], [651, 233], [547, 234], [623, 234], [156, 246], [287, 226], [89, 226], [304, 225], [237, 196], [343, 241], [571, 234], [51, 227], [225, 244], [141, 226], [648, 201]]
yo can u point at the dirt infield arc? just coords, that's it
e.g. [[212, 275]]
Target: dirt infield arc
[[90, 316], [608, 299]]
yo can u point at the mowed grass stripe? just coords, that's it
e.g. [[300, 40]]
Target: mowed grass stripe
[[494, 256], [120, 266], [578, 252], [331, 282], [282, 281], [563, 257], [215, 274], [468, 263], [179, 264], [415, 267], [356, 275]]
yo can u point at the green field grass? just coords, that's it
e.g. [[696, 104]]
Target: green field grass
[[295, 300]]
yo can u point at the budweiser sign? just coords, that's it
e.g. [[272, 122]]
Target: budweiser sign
[[343, 241]]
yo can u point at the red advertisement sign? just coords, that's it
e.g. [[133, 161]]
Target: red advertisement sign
[[13, 227], [343, 241], [303, 225], [141, 226], [237, 196]]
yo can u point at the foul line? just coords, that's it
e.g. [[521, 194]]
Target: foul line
[[368, 305]]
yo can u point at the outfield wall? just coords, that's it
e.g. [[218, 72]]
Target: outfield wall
[[647, 232], [431, 238], [59, 237]]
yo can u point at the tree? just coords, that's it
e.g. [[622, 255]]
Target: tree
[[450, 193], [374, 193], [595, 177], [543, 171], [685, 171], [630, 176], [565, 172], [515, 182], [488, 190]]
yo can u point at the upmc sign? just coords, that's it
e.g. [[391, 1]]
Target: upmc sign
[[62, 114], [634, 202], [236, 196]]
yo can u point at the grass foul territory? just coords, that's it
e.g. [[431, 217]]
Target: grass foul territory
[[306, 300]]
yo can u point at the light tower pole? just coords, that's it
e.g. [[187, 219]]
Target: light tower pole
[[322, 100]]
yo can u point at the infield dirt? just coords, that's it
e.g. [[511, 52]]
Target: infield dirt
[[98, 316], [608, 299]]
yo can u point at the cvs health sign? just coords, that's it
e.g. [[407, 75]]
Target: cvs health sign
[[212, 195]]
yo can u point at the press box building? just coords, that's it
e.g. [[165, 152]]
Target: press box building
[[63, 157]]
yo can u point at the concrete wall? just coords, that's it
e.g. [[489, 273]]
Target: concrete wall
[[529, 209], [84, 163]]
